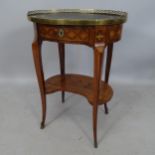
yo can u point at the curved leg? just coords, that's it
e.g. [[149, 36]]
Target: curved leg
[[98, 59], [108, 62], [107, 71], [106, 108], [36, 48], [62, 65]]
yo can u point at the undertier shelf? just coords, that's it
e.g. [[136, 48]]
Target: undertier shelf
[[78, 84]]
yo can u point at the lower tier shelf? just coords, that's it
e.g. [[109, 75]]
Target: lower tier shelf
[[79, 84]]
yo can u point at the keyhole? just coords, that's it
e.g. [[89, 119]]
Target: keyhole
[[61, 33]]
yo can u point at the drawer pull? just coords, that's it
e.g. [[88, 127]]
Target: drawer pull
[[99, 37], [61, 33]]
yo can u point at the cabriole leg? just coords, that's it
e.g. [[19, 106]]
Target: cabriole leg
[[62, 65], [36, 48], [98, 61], [107, 71]]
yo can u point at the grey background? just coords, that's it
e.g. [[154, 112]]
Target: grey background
[[129, 127], [134, 55]]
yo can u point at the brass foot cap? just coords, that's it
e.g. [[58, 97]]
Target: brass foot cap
[[95, 145], [42, 126], [106, 112]]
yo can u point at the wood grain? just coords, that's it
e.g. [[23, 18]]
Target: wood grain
[[61, 48], [96, 91], [88, 35], [36, 50], [79, 84]]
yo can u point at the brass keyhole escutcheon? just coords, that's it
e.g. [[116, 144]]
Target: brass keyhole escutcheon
[[61, 33]]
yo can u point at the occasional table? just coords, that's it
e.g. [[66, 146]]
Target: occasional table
[[98, 29]]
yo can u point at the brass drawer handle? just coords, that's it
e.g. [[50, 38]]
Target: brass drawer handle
[[61, 33], [99, 37]]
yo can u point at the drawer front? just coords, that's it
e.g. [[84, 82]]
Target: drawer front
[[66, 34], [101, 34], [108, 34]]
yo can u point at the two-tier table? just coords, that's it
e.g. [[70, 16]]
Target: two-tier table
[[98, 29]]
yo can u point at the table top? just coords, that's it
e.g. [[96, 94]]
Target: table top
[[77, 17]]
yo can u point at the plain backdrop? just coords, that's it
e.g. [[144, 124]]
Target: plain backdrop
[[129, 127], [134, 55]]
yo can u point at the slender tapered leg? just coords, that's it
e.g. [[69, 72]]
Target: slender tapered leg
[[107, 71], [62, 65], [108, 62], [36, 48], [98, 61], [106, 108]]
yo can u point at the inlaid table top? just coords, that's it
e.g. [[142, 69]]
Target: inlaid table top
[[77, 17]]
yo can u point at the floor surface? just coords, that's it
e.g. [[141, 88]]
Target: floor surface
[[129, 129]]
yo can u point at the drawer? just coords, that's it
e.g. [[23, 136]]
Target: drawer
[[64, 33], [108, 34]]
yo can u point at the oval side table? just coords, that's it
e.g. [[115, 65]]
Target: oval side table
[[97, 29]]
